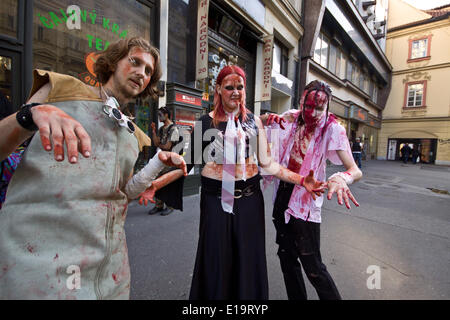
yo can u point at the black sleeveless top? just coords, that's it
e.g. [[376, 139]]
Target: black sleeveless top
[[356, 147]]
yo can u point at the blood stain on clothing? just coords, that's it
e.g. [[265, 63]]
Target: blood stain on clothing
[[5, 269], [59, 194], [30, 248]]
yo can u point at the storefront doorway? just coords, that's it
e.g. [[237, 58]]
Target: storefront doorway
[[425, 149]]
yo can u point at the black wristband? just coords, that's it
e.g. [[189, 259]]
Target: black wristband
[[25, 118]]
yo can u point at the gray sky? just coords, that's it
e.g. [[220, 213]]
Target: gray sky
[[427, 4]]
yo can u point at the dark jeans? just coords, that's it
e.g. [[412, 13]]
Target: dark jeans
[[300, 240], [357, 156], [405, 158]]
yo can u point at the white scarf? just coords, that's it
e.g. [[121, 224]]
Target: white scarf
[[234, 143]]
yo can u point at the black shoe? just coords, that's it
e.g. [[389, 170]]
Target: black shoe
[[167, 211], [155, 210]]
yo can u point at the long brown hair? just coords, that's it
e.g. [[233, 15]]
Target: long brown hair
[[219, 112], [107, 62]]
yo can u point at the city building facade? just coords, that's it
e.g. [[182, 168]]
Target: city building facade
[[417, 112], [340, 49]]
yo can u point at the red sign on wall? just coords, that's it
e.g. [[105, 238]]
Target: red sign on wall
[[181, 97]]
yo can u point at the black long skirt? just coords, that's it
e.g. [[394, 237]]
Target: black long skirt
[[231, 253]]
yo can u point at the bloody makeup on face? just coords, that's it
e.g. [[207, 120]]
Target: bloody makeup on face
[[314, 106], [232, 92]]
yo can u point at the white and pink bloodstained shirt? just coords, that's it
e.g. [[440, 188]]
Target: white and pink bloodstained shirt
[[323, 144]]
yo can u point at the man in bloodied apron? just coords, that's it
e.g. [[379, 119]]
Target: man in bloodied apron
[[62, 224]]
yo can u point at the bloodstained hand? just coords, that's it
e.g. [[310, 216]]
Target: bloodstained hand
[[342, 190], [172, 159], [58, 127], [312, 186], [158, 184], [275, 118], [147, 195]]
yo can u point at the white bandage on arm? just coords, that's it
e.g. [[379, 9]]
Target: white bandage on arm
[[143, 179], [346, 176]]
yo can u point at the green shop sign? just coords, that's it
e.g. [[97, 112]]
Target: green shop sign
[[73, 16]]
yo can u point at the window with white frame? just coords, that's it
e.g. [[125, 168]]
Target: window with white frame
[[419, 48], [415, 95]]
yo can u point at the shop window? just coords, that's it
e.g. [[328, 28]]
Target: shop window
[[419, 49], [181, 53], [8, 18], [218, 58], [6, 76], [11, 23], [415, 94], [69, 36], [64, 43]]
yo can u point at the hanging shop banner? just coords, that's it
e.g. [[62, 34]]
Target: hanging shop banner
[[267, 68], [202, 40]]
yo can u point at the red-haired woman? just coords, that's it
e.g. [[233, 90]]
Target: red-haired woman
[[231, 253]]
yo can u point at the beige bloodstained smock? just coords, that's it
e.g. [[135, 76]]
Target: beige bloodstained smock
[[59, 217]]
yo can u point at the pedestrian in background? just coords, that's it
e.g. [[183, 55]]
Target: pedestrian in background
[[406, 151], [166, 138], [357, 148]]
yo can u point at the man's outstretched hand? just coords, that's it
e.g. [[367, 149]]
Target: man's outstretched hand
[[172, 159]]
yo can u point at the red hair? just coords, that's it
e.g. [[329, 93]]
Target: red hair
[[219, 112]]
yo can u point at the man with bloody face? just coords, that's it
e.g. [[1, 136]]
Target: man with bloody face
[[306, 139]]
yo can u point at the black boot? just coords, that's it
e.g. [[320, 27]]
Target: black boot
[[155, 210]]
